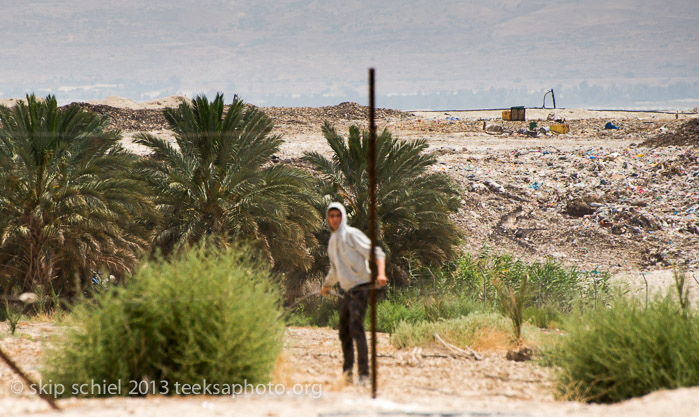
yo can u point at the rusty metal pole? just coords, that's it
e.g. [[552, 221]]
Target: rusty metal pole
[[372, 227]]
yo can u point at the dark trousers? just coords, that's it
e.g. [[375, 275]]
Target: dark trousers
[[352, 312]]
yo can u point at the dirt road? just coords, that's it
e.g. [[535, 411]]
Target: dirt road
[[411, 383]]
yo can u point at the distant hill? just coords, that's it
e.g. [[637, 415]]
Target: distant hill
[[87, 49]]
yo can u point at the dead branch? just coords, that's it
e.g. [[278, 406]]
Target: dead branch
[[458, 351]]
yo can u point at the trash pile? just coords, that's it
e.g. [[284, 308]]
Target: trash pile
[[555, 125], [129, 119], [317, 115], [686, 135], [311, 117], [588, 205]]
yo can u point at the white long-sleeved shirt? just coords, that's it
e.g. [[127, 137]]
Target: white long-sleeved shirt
[[348, 251]]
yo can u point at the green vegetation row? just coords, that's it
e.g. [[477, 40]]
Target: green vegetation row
[[611, 347], [468, 284]]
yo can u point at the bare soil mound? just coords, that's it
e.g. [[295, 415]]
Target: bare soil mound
[[686, 135], [117, 101], [161, 103], [10, 102]]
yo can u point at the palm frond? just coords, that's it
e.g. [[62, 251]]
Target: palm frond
[[215, 183], [75, 202]]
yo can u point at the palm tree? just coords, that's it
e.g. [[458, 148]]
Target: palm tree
[[68, 203], [413, 204], [216, 183]]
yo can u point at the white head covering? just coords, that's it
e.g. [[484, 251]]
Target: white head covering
[[342, 230]]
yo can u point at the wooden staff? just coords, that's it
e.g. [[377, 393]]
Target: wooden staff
[[372, 226]]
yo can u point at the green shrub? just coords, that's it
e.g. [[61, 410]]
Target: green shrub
[[211, 316], [319, 311], [550, 283], [627, 351], [543, 317], [478, 330], [512, 303], [447, 307], [13, 314], [389, 313]]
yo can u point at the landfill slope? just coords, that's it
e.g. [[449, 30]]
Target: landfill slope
[[595, 198], [687, 134]]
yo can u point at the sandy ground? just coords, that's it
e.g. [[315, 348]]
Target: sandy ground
[[423, 383]]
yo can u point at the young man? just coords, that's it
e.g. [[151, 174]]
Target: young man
[[348, 251]]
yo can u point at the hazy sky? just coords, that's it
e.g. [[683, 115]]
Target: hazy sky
[[286, 51]]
